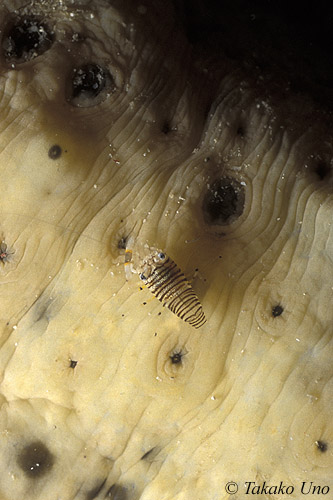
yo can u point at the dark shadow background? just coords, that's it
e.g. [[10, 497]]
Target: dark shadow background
[[294, 38]]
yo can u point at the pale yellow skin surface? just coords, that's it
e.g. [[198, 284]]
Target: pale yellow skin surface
[[253, 393]]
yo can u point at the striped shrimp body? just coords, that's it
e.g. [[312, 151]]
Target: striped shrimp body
[[168, 283], [128, 258]]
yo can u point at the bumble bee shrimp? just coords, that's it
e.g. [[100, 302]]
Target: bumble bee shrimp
[[168, 283]]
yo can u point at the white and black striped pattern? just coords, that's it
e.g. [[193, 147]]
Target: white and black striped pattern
[[167, 282]]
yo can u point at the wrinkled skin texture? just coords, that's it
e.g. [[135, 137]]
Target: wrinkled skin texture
[[105, 393]]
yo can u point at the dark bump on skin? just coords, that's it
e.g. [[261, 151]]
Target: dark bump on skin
[[95, 491], [55, 152], [223, 202], [176, 357], [166, 129], [26, 38], [88, 80], [90, 85], [322, 446], [117, 492], [35, 460], [240, 131], [72, 363], [122, 243], [4, 253], [277, 310], [322, 170]]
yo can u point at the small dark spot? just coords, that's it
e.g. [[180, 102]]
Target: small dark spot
[[117, 492], [72, 363], [5, 253], [90, 85], [26, 38], [240, 131], [141, 288], [55, 152], [176, 357], [223, 202], [41, 311], [322, 170], [123, 315], [159, 314], [35, 460], [166, 129], [144, 303], [277, 310], [95, 491], [122, 243], [322, 446], [146, 455], [207, 159]]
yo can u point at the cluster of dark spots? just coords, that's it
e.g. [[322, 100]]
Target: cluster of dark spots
[[55, 152], [90, 85], [72, 363], [223, 201], [122, 243], [26, 38], [176, 357], [35, 460], [322, 170], [322, 446], [117, 492], [5, 253], [94, 492], [277, 310]]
